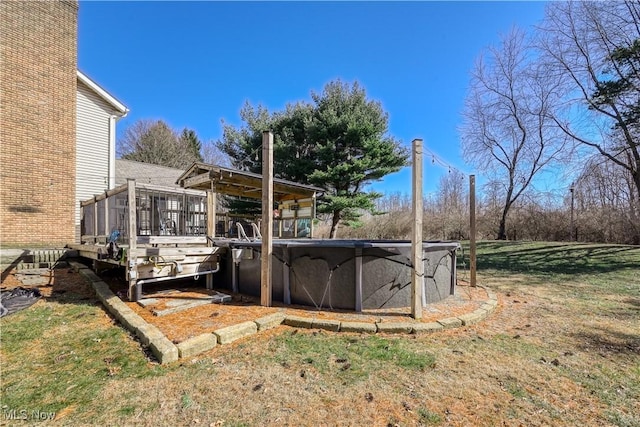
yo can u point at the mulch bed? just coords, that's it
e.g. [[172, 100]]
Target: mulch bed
[[210, 317]]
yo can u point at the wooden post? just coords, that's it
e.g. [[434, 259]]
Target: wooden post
[[132, 268], [295, 220], [95, 221], [313, 216], [211, 227], [472, 230], [417, 279], [211, 211], [107, 229], [267, 218]]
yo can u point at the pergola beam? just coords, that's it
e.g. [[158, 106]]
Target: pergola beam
[[242, 183], [198, 180]]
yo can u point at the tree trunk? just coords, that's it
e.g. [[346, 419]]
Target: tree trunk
[[634, 208], [502, 230], [502, 234], [335, 219], [636, 180]]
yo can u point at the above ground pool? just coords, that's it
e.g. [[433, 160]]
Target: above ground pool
[[340, 274]]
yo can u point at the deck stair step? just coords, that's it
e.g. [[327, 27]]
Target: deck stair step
[[43, 258], [34, 265], [47, 255]]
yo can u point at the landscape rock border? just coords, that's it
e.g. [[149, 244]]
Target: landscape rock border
[[166, 351]]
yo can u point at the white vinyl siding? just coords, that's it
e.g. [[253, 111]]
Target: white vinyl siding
[[92, 147]]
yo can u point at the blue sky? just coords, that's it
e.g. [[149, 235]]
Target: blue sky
[[193, 64]]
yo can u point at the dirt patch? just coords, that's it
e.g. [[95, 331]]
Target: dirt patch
[[55, 283]]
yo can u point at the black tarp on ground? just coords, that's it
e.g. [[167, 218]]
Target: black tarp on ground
[[17, 299]]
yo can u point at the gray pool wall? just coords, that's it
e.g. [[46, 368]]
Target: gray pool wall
[[341, 274]]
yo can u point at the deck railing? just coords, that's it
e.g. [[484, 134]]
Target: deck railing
[[158, 211]]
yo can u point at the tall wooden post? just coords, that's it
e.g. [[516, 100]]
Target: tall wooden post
[[132, 267], [417, 279], [267, 218], [472, 229]]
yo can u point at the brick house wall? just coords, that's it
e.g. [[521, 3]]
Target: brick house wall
[[38, 82]]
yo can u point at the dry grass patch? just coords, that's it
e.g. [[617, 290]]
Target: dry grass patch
[[57, 354]]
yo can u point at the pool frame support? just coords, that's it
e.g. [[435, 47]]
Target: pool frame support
[[358, 272], [417, 279]]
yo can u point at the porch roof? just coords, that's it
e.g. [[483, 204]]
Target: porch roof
[[202, 176]]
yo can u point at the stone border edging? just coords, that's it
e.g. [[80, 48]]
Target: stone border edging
[[166, 351]]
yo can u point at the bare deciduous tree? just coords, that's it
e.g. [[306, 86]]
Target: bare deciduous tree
[[213, 155], [394, 202], [606, 199], [153, 141], [593, 50], [452, 205], [506, 129]]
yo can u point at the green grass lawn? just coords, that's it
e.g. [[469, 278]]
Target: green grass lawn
[[563, 348], [60, 354], [558, 259]]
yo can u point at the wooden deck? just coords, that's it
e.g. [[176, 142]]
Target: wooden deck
[[156, 258], [161, 233]]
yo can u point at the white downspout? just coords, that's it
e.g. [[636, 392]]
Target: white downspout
[[112, 148], [112, 152]]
